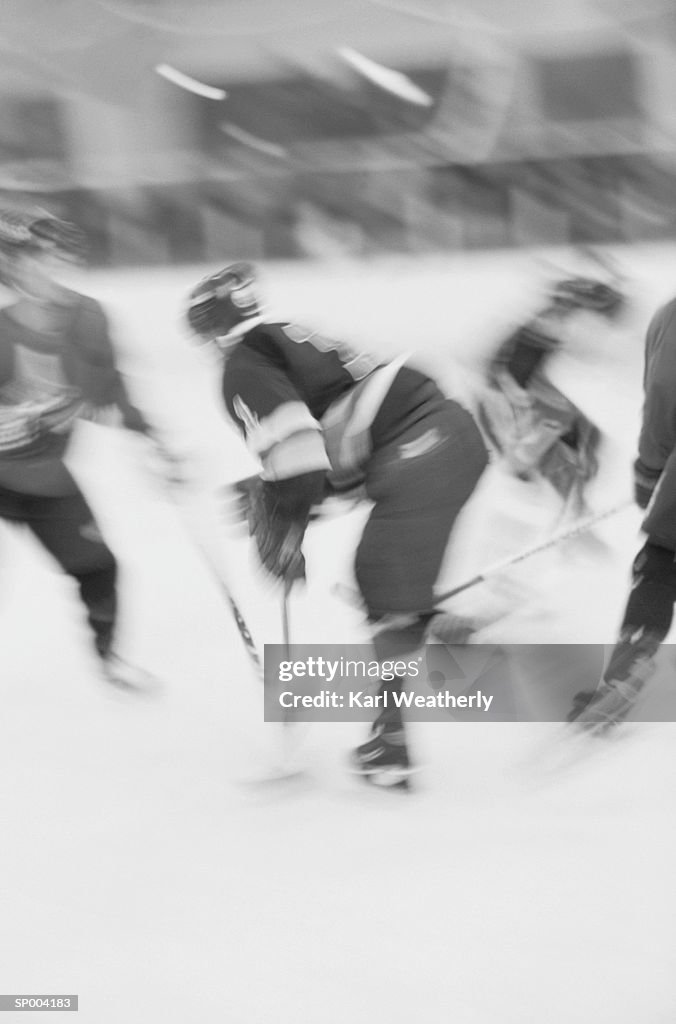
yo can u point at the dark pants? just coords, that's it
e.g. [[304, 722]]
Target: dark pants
[[660, 520], [419, 483], [66, 527]]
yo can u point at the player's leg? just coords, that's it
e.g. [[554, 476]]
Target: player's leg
[[12, 506], [419, 484], [647, 621], [66, 527], [529, 437]]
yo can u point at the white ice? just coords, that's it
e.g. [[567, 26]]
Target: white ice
[[138, 867]]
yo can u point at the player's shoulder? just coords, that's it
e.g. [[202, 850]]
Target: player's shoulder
[[270, 340], [664, 315], [277, 332], [258, 338], [248, 356], [85, 310], [76, 299]]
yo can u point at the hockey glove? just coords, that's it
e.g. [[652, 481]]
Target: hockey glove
[[645, 482], [236, 499], [278, 535]]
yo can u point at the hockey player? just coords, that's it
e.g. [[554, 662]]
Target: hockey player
[[649, 612], [322, 418], [538, 430], [57, 364]]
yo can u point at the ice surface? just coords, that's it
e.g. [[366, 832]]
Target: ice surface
[[140, 869]]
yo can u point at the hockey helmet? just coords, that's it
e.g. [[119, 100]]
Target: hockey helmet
[[223, 301], [587, 293]]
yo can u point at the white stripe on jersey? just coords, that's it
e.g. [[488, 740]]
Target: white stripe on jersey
[[301, 453], [347, 422], [263, 433]]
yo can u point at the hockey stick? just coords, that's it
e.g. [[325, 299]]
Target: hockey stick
[[240, 622], [286, 617], [537, 549], [288, 718], [284, 767], [211, 565]]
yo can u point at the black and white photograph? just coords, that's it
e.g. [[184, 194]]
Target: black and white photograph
[[338, 511]]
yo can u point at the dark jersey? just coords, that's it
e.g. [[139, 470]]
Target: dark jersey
[[658, 430], [276, 362], [306, 403], [48, 378]]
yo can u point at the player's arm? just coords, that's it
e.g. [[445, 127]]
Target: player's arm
[[657, 439], [282, 433], [108, 400]]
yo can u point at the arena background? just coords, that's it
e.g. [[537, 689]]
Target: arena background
[[515, 124]]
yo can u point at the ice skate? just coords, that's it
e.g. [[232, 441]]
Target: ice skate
[[596, 712], [384, 760]]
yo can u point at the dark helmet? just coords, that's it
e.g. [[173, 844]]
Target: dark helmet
[[223, 301], [36, 230], [587, 293]]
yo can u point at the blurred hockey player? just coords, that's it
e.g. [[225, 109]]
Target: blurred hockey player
[[649, 612], [323, 419], [538, 430], [56, 365]]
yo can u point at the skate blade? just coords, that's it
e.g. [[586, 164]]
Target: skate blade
[[385, 778], [277, 778], [124, 677], [401, 785], [147, 686]]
